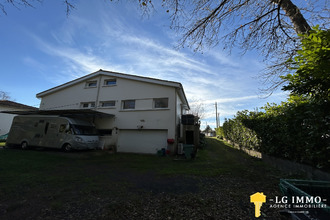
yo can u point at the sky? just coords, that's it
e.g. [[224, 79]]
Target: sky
[[42, 48]]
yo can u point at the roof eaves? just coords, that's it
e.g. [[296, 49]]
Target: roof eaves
[[142, 78], [110, 73], [9, 103], [72, 82], [183, 96]]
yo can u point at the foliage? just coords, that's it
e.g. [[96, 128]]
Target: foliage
[[298, 129], [312, 76], [219, 132], [235, 131], [202, 141]]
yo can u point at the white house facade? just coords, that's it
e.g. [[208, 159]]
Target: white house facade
[[143, 114], [7, 119]]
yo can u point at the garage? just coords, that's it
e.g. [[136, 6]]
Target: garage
[[141, 141]]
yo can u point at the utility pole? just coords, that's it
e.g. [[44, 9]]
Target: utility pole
[[216, 114]]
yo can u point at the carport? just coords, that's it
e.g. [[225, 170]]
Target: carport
[[82, 114], [74, 113]]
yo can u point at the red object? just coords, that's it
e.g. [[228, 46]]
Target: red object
[[168, 152], [170, 141]]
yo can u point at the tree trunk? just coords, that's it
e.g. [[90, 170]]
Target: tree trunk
[[292, 11]]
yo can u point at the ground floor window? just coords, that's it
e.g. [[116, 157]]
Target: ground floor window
[[87, 105], [107, 104]]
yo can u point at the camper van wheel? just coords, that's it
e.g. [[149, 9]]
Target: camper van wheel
[[24, 145], [67, 147]]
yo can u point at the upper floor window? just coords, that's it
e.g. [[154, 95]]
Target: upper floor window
[[87, 105], [108, 104], [91, 84], [129, 104], [110, 82], [161, 103]]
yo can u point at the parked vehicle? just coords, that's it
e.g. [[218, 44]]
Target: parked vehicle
[[52, 132], [3, 138]]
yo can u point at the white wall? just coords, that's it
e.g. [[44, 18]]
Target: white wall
[[69, 98], [125, 89], [6, 119]]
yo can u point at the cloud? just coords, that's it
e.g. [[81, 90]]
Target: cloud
[[116, 42], [30, 61]]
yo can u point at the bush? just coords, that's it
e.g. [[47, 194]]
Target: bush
[[296, 130]]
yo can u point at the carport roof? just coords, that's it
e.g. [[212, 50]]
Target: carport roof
[[66, 113]]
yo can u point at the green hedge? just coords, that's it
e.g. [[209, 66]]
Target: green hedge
[[297, 130]]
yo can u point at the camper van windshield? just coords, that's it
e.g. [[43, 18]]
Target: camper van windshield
[[84, 130]]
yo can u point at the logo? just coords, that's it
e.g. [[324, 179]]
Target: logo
[[294, 204], [298, 202], [258, 199]]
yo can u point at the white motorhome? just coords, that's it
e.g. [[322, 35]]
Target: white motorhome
[[52, 132]]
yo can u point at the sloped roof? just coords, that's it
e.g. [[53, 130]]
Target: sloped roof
[[118, 75], [17, 105], [66, 113]]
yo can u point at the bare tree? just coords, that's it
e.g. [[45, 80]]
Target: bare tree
[[271, 27], [31, 3], [4, 95], [197, 108], [267, 25]]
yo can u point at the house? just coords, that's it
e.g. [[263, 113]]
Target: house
[[7, 119], [140, 114], [210, 133]]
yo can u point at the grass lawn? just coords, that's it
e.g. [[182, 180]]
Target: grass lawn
[[41, 184]]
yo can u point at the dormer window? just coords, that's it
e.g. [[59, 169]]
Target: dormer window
[[91, 84], [110, 82]]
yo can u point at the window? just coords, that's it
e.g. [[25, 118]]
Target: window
[[87, 105], [129, 104], [84, 129], [110, 82], [62, 128], [91, 84], [161, 103], [46, 127], [108, 104]]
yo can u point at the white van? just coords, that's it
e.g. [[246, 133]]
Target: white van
[[52, 132]]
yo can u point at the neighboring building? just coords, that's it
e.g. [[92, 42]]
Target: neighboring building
[[7, 119], [210, 134], [143, 114]]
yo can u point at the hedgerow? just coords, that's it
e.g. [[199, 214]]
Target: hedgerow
[[298, 129]]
